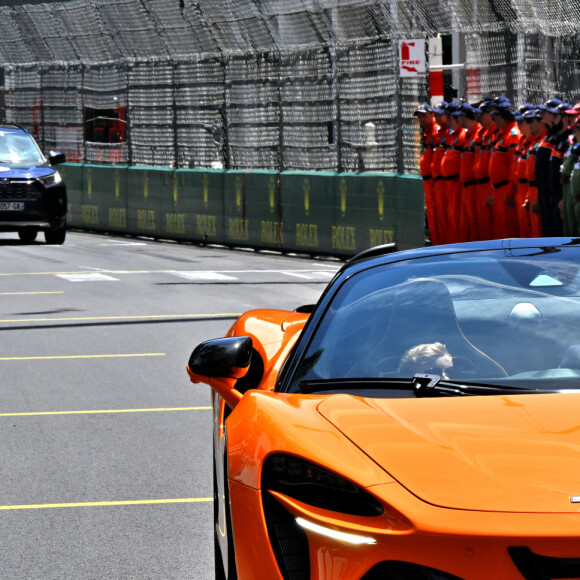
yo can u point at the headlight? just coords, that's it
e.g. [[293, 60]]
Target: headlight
[[355, 539], [317, 486], [51, 179]]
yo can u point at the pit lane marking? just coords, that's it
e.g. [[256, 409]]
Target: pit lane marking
[[76, 356], [106, 503], [203, 276], [104, 411], [88, 277], [310, 275], [121, 243]]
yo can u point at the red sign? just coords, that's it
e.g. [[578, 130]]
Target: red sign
[[411, 57]]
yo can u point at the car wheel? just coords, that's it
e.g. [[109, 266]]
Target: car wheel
[[27, 235], [55, 236], [218, 564], [217, 553], [220, 573]]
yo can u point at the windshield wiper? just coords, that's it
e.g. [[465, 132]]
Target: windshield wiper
[[435, 386], [420, 384], [321, 385]]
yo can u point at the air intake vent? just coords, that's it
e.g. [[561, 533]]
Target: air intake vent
[[535, 567], [288, 540]]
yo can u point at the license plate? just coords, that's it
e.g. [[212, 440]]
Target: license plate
[[11, 206]]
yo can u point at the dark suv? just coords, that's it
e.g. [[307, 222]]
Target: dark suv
[[32, 193]]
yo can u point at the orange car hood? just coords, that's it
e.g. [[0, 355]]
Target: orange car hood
[[494, 453]]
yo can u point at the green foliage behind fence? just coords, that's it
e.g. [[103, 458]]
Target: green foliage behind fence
[[308, 212]]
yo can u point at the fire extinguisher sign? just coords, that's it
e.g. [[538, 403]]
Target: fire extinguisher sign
[[411, 57]]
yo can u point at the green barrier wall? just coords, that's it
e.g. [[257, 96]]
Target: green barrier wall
[[73, 177], [307, 212], [204, 196], [253, 209]]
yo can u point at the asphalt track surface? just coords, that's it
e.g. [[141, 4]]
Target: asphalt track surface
[[105, 452]]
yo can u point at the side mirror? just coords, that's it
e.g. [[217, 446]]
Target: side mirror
[[56, 158], [220, 363]]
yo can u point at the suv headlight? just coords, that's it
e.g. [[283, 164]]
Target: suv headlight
[[51, 179]]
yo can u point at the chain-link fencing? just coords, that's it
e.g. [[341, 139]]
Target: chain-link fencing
[[267, 84]]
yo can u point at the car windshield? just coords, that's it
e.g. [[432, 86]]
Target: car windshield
[[502, 317], [18, 149]]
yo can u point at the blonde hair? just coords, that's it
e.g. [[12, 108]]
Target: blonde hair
[[415, 356]]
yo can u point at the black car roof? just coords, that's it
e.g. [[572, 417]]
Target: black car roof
[[387, 254]]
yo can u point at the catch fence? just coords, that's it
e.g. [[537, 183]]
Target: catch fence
[[267, 84]]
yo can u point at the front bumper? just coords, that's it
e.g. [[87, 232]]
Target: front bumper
[[434, 543], [33, 205]]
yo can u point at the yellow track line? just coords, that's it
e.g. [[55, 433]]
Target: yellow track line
[[103, 411], [26, 293], [146, 317], [105, 503], [81, 356]]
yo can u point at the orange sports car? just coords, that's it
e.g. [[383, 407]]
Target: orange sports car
[[421, 422]]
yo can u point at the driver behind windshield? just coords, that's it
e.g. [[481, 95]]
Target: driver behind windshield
[[431, 358]]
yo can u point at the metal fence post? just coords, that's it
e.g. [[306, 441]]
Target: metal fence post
[[336, 123]]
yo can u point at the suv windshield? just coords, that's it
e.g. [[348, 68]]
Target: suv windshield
[[507, 317], [19, 148]]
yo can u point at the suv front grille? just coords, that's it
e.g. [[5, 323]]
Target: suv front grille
[[18, 189]]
